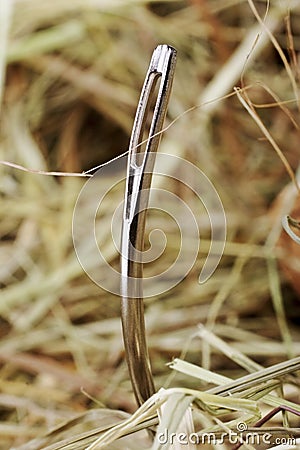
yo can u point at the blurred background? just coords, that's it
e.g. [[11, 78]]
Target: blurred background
[[71, 75]]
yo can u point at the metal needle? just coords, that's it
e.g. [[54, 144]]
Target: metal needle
[[139, 176]]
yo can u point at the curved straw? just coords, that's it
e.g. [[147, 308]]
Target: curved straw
[[139, 175]]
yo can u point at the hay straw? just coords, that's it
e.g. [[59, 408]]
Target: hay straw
[[276, 44], [44, 172], [5, 18], [269, 137], [73, 73], [46, 41]]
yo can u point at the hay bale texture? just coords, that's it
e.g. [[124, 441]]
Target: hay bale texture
[[70, 77]]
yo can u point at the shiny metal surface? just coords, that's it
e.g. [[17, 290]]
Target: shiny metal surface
[[156, 88]]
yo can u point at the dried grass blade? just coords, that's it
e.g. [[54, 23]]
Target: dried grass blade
[[250, 109], [198, 372], [172, 421], [46, 41], [277, 46], [277, 300], [6, 7]]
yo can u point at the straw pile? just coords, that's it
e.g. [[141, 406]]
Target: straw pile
[[70, 77]]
